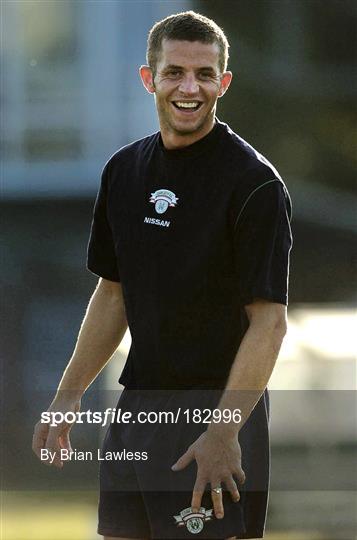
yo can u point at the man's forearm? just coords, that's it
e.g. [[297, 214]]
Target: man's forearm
[[102, 330], [252, 368]]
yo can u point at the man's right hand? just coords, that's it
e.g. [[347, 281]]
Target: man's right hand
[[53, 438]]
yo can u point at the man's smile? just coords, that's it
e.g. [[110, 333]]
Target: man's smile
[[187, 106]]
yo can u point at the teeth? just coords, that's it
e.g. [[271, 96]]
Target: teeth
[[185, 105]]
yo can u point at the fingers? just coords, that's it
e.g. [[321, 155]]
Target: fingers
[[53, 446], [47, 443], [39, 438], [184, 460], [65, 442], [217, 499], [232, 488], [239, 474], [216, 494], [198, 491], [50, 439]]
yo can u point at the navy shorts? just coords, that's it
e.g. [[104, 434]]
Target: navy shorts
[[144, 498]]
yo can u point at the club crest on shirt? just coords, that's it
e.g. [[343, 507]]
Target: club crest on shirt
[[163, 198], [193, 521]]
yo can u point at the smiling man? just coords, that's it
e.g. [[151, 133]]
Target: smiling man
[[191, 240]]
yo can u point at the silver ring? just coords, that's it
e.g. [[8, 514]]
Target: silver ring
[[217, 490]]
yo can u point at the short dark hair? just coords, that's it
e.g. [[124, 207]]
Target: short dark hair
[[186, 26]]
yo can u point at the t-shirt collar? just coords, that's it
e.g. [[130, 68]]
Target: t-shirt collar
[[202, 145]]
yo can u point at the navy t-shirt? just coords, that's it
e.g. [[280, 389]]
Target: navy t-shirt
[[193, 235]]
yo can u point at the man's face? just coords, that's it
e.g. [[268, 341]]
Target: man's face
[[187, 83]]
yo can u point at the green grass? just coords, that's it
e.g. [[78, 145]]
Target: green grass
[[59, 515]]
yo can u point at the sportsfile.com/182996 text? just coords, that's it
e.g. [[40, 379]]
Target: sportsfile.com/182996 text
[[119, 416]]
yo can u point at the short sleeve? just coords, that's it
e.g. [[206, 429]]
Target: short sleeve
[[101, 256], [262, 244]]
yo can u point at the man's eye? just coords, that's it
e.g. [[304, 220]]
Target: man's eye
[[206, 76], [173, 73]]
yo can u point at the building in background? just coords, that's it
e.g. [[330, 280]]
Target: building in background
[[71, 93]]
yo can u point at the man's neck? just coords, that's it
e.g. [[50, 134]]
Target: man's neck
[[174, 141]]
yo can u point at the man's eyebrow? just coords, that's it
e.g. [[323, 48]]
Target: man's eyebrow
[[202, 68], [206, 68], [172, 66]]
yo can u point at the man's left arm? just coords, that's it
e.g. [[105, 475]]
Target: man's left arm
[[254, 362], [217, 451], [261, 244]]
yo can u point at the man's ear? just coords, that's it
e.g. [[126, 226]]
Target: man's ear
[[147, 78], [225, 82]]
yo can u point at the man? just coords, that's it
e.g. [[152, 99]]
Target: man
[[191, 240]]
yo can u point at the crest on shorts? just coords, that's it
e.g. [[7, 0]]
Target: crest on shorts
[[193, 521], [163, 198]]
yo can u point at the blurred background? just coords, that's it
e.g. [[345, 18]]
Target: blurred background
[[70, 97]]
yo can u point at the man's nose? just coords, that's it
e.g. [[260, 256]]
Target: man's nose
[[189, 84]]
